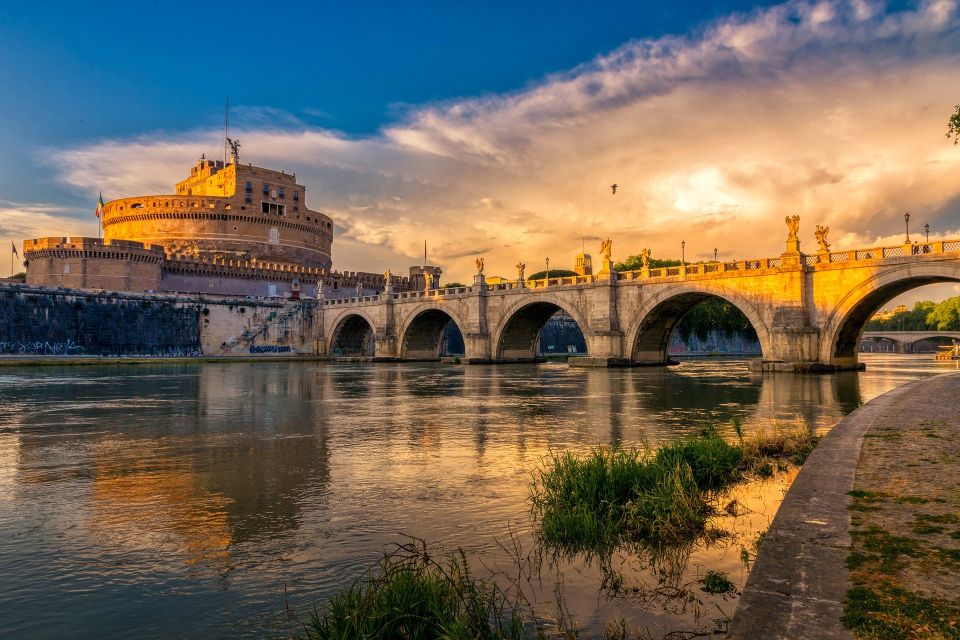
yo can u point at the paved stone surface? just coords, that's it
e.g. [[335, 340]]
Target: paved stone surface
[[799, 581]]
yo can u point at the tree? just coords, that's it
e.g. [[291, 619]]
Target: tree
[[635, 263], [714, 314], [953, 126], [453, 285], [554, 273], [945, 316]]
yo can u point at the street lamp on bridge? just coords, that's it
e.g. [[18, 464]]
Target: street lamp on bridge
[[714, 254], [926, 230], [683, 250], [548, 270], [906, 221]]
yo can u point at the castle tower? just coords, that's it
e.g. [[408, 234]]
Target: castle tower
[[583, 264], [227, 212]]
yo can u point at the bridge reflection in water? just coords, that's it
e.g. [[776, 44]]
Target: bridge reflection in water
[[182, 499]]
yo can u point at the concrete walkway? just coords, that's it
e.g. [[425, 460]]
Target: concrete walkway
[[799, 580]]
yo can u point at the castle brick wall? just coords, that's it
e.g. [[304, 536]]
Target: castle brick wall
[[89, 263]]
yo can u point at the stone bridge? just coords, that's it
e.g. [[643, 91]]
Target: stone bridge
[[809, 311], [906, 339]]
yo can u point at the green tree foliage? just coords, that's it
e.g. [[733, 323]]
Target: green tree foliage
[[453, 285], [716, 314], [635, 263], [953, 126], [913, 320], [554, 273], [925, 316], [945, 316]]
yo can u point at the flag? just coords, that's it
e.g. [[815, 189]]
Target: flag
[[13, 247], [99, 211]]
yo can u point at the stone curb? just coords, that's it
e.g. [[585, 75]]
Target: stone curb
[[799, 579]]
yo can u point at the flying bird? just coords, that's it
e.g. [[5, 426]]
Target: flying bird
[[613, 188]]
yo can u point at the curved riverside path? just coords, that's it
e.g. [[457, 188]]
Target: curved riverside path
[[799, 580]]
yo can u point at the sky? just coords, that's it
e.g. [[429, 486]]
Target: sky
[[495, 129]]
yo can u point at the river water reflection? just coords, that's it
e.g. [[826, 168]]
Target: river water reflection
[[199, 501]]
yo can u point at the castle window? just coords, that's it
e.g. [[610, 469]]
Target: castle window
[[296, 196], [249, 187], [266, 189], [269, 207], [281, 192]]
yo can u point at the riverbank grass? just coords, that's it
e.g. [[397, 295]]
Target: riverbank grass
[[614, 494], [410, 594]]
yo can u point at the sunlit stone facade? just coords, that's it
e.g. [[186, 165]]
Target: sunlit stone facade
[[233, 212]]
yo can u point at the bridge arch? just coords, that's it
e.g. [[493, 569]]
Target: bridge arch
[[648, 333], [517, 334], [841, 333], [421, 338], [353, 336]]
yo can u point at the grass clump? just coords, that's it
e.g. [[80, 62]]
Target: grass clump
[[409, 594], [793, 442], [615, 494], [717, 583]]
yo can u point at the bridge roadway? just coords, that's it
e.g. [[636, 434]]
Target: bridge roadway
[[808, 310]]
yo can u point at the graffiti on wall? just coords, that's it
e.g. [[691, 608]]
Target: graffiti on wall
[[41, 348], [269, 348]]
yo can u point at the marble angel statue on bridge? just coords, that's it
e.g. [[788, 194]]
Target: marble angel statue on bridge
[[606, 249], [793, 227], [821, 235]]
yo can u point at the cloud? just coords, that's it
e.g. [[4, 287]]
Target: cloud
[[832, 110], [20, 220]]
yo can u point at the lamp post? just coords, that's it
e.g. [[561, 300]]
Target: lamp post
[[926, 231], [683, 252], [714, 254], [906, 221], [548, 271]]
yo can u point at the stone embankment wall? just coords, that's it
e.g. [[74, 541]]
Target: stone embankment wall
[[38, 321]]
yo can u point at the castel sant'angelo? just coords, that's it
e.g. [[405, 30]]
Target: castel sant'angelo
[[228, 228]]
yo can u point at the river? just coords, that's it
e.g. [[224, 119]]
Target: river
[[225, 500]]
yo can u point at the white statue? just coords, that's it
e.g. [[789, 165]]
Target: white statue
[[480, 266], [521, 269]]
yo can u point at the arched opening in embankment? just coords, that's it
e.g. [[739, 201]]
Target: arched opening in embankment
[[538, 331], [695, 324], [353, 337], [840, 340], [431, 335]]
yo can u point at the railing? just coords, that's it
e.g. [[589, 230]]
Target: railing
[[685, 270]]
